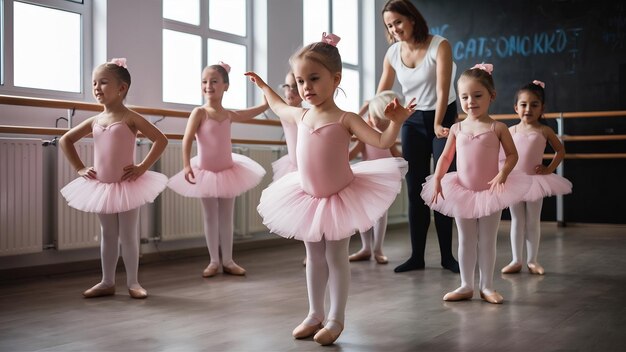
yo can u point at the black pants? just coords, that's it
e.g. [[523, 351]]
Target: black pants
[[418, 144]]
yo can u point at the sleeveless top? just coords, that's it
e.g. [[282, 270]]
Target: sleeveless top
[[477, 157], [214, 144], [114, 148], [530, 147], [324, 168], [420, 82]]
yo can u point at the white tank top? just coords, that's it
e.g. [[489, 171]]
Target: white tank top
[[420, 82]]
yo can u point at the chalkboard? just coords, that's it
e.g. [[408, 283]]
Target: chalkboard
[[577, 47]]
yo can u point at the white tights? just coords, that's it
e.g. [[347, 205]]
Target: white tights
[[218, 228], [525, 224], [377, 234], [477, 242], [119, 228], [327, 264]]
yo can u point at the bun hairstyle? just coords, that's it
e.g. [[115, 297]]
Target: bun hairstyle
[[482, 74], [223, 69], [536, 88], [324, 52], [378, 103]]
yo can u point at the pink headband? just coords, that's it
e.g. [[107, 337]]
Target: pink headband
[[224, 65], [119, 61], [485, 67], [539, 83], [330, 39]]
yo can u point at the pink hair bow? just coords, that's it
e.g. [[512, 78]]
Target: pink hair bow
[[330, 39], [224, 65], [539, 83], [119, 61], [485, 67]]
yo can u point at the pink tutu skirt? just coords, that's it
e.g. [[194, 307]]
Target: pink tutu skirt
[[108, 198], [547, 185], [229, 183], [290, 212], [282, 166], [464, 203]]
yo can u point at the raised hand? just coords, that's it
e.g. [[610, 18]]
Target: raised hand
[[395, 112]]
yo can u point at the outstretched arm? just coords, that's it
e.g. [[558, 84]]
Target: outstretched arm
[[276, 103], [559, 152], [395, 112], [67, 145], [159, 142], [249, 113]]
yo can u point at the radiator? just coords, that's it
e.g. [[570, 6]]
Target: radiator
[[21, 199], [75, 228], [181, 217], [247, 219]]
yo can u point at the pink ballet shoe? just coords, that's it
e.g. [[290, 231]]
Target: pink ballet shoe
[[326, 337], [493, 298], [535, 269], [138, 293], [210, 270], [303, 331], [512, 268], [359, 256], [381, 259], [458, 296], [99, 292], [234, 269]]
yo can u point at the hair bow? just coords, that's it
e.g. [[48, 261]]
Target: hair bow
[[485, 67], [119, 61], [330, 39], [224, 65], [539, 83]]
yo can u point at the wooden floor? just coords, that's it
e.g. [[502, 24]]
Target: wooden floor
[[579, 305]]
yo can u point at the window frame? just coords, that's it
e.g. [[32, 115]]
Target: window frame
[[7, 83], [355, 67], [205, 33]]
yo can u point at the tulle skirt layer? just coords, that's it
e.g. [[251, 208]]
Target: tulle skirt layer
[[547, 185], [465, 203], [289, 211], [242, 176], [282, 166], [107, 198]]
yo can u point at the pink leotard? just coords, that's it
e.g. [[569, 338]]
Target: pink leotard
[[114, 149], [327, 198], [372, 153]]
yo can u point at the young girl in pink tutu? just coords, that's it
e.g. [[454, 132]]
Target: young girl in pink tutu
[[530, 137], [114, 187], [216, 175], [326, 201], [377, 120], [476, 194]]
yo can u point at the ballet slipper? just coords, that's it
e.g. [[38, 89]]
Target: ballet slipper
[[303, 330], [138, 293], [359, 256], [381, 259], [326, 337], [458, 296], [493, 298], [210, 270], [512, 268], [234, 269], [535, 269], [99, 292]]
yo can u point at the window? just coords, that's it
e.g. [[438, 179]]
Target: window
[[43, 46], [330, 16], [199, 33]]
